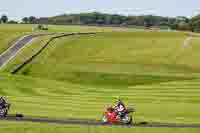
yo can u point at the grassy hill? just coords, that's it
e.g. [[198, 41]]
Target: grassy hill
[[11, 32], [76, 77], [84, 73], [164, 102], [13, 127], [114, 58]]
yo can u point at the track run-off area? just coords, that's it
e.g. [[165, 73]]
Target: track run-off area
[[97, 123], [84, 122]]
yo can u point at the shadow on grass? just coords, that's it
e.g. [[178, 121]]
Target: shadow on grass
[[102, 79]]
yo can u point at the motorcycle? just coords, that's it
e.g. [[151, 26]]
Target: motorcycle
[[112, 116], [4, 110]]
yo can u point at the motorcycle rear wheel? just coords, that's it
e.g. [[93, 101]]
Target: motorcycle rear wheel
[[3, 112]]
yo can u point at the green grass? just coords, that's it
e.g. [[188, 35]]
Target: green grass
[[27, 52], [11, 32], [52, 128], [189, 55], [76, 77], [6, 39], [165, 102], [13, 127], [115, 58]]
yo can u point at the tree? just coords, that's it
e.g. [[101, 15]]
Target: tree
[[42, 27], [96, 18], [25, 20], [131, 20], [184, 26], [195, 23], [116, 19], [32, 19], [4, 19], [12, 22]]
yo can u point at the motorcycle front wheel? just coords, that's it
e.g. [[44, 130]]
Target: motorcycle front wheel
[[127, 119]]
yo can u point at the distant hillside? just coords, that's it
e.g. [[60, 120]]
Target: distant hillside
[[96, 18], [102, 19]]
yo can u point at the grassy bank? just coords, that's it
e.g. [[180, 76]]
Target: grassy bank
[[13, 127], [76, 77], [116, 57], [165, 102]]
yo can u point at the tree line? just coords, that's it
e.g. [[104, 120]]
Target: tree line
[[25, 20], [147, 21], [96, 18]]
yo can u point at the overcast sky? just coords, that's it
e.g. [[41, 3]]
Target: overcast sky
[[40, 8]]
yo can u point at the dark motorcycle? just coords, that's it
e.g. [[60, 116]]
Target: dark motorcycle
[[4, 110]]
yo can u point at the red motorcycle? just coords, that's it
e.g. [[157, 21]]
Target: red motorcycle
[[112, 116]]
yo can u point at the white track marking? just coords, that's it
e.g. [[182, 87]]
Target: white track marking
[[184, 46], [6, 62], [187, 41], [13, 45]]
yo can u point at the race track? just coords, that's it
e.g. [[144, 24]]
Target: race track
[[97, 123], [15, 48]]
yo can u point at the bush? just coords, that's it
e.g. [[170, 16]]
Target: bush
[[12, 22], [184, 26], [42, 27]]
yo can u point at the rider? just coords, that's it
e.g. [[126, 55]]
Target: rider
[[120, 108], [111, 111], [2, 102]]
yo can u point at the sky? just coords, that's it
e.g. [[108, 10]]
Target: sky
[[17, 9]]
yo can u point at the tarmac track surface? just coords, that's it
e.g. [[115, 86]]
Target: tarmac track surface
[[97, 123], [15, 48]]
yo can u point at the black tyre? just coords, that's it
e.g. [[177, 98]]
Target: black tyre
[[3, 112], [128, 119]]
